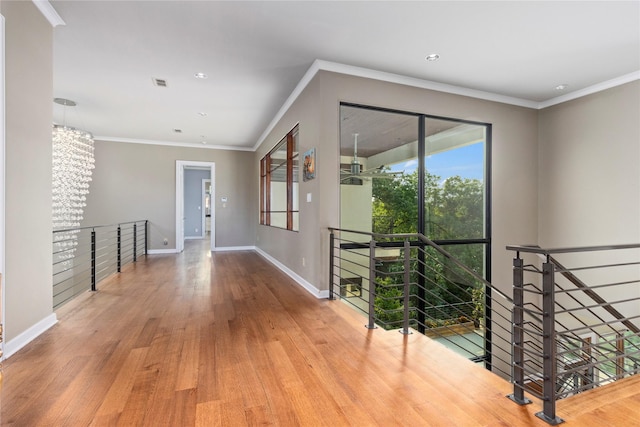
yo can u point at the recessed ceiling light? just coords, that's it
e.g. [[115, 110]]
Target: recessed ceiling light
[[202, 113], [562, 86], [433, 57], [200, 75]]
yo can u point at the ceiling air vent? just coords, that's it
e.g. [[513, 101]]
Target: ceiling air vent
[[159, 82]]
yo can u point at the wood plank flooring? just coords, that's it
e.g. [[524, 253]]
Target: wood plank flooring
[[225, 339]]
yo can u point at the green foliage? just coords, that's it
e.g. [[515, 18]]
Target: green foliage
[[388, 303], [477, 297], [395, 204], [454, 210]]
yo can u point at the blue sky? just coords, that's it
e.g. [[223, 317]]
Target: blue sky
[[466, 162]]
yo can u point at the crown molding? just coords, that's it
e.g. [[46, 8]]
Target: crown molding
[[627, 78], [49, 12], [321, 65], [423, 84], [171, 143]]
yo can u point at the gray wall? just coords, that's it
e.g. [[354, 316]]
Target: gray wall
[[29, 106], [193, 207], [137, 181], [590, 169], [514, 174]]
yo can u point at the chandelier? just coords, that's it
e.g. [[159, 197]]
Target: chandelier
[[73, 163]]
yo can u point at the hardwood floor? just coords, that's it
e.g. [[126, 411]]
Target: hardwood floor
[[225, 339]]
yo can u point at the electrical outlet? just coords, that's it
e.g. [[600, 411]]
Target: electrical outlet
[[196, 230], [304, 262], [165, 242]]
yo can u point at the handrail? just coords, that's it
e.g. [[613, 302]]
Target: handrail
[[535, 249], [93, 227]]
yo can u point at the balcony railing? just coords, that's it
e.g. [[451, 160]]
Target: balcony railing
[[84, 256], [407, 282], [576, 320]]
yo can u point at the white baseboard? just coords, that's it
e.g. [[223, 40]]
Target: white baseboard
[[12, 347], [286, 270], [234, 248], [161, 251]]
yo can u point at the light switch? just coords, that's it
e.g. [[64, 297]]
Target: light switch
[[308, 197]]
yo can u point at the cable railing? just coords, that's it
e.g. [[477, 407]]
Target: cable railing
[[409, 283], [570, 337], [83, 256], [565, 331]]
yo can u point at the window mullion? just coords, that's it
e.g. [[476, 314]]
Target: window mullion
[[290, 181], [267, 199]]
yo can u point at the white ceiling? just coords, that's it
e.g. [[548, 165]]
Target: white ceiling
[[256, 52]]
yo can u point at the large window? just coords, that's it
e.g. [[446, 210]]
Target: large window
[[279, 204], [408, 173], [403, 172]]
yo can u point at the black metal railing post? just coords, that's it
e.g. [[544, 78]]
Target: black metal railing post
[[372, 284], [93, 260], [135, 242], [518, 333], [407, 278], [146, 237], [119, 254], [332, 242], [549, 365]]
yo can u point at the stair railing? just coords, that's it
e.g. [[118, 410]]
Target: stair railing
[[568, 336]]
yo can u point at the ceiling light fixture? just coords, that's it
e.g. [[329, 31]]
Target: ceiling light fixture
[[200, 76], [562, 86], [202, 113], [72, 165], [433, 57], [176, 130]]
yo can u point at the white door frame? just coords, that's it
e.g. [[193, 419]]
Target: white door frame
[[180, 167], [203, 210]]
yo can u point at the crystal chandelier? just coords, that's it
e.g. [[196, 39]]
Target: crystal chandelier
[[73, 163]]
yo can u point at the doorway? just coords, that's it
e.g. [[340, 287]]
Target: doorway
[[206, 207], [181, 167]]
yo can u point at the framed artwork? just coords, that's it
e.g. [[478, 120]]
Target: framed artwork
[[309, 165]]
